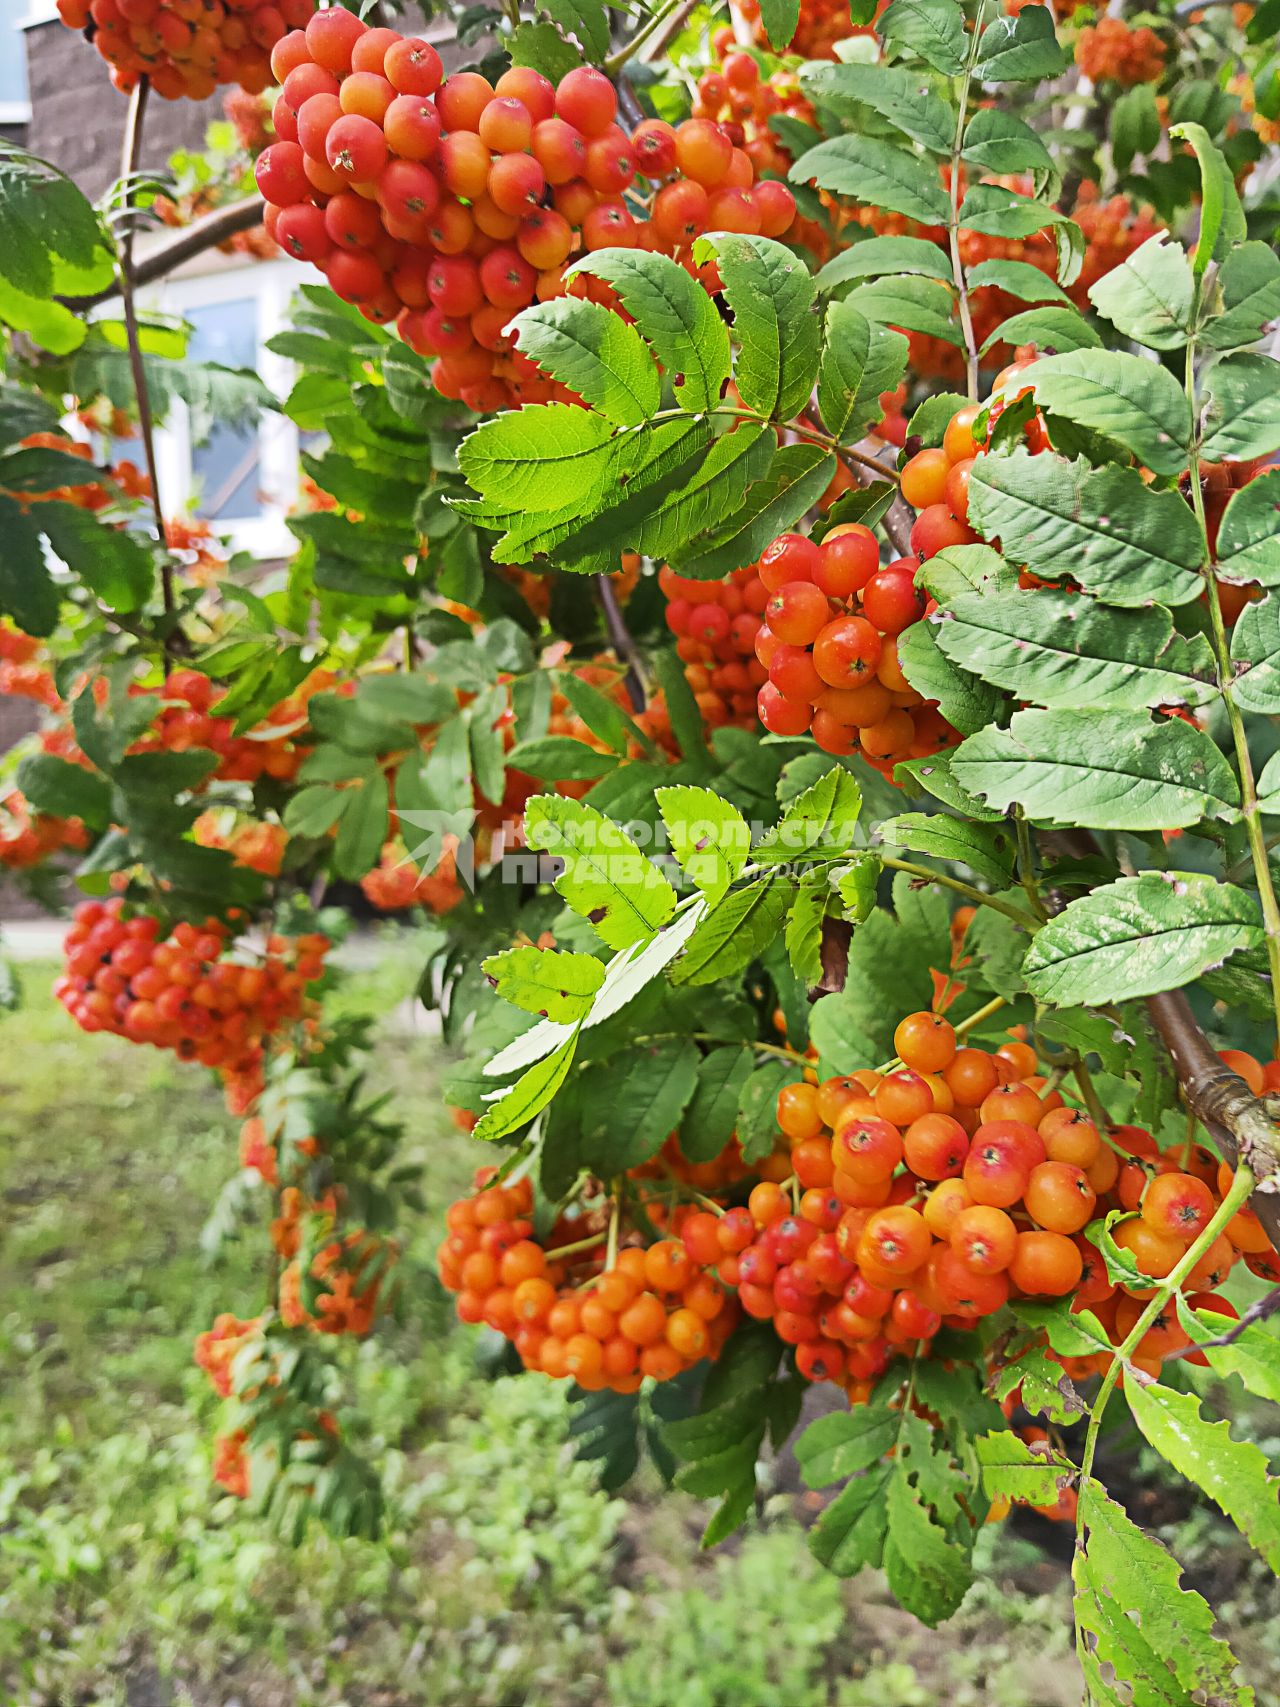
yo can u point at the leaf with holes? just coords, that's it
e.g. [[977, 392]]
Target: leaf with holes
[[709, 837], [772, 300], [1138, 936], [593, 352], [606, 878], [552, 983]]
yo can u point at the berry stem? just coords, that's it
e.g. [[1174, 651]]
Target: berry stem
[[978, 896], [1239, 737], [984, 1013], [1027, 865], [555, 1252], [614, 63], [953, 223], [620, 635]]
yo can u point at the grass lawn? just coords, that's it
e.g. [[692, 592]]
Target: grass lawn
[[506, 1577]]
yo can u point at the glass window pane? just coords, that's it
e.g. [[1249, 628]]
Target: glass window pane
[[13, 51], [226, 466]]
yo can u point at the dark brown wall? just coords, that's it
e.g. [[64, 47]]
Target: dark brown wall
[[77, 117]]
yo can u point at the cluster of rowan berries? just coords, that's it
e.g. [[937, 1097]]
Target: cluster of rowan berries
[[715, 624], [24, 669], [29, 838], [568, 1308], [830, 645], [180, 989], [254, 843], [820, 25], [1112, 51], [185, 721], [735, 94], [93, 495], [396, 882], [448, 206], [344, 1278], [935, 481], [186, 47], [934, 1192]]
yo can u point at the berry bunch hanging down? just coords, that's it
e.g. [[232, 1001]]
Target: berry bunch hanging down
[[180, 988], [186, 47], [448, 206]]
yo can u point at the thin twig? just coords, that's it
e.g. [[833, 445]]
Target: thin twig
[[205, 233], [1258, 1312], [636, 680], [131, 151]]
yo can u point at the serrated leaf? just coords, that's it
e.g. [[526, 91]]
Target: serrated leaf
[[1234, 1473], [362, 828], [780, 18], [996, 141], [934, 775], [882, 257], [1242, 419], [998, 212], [1138, 403], [1018, 278], [1052, 329], [1101, 527], [64, 790], [928, 1574], [932, 28], [595, 353], [845, 1442], [1055, 648], [1250, 285], [798, 476], [588, 20], [1043, 1387], [877, 174], [914, 304], [823, 816], [553, 983], [963, 698], [983, 849], [709, 1120], [709, 837], [540, 458], [715, 489], [529, 1095], [606, 877], [904, 98], [1249, 533], [772, 299], [1020, 49], [1222, 220], [1107, 770], [803, 936], [1148, 296], [961, 569], [1253, 1354], [1150, 1632], [560, 758], [1255, 651], [674, 315], [733, 934], [860, 360], [1011, 1468], [654, 1089], [1137, 936]]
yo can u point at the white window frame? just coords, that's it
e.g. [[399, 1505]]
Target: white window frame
[[272, 285]]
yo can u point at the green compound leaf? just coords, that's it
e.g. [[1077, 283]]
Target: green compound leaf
[[1232, 1472], [772, 299], [595, 353], [708, 835], [877, 174], [1249, 534], [1053, 648], [606, 878], [1105, 770], [1148, 296], [1012, 1469], [674, 315], [1151, 1633], [1137, 936], [556, 984], [1102, 527], [860, 360], [529, 1095], [932, 28], [1243, 415]]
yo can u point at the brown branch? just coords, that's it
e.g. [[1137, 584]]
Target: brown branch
[[866, 471], [204, 233], [623, 644]]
